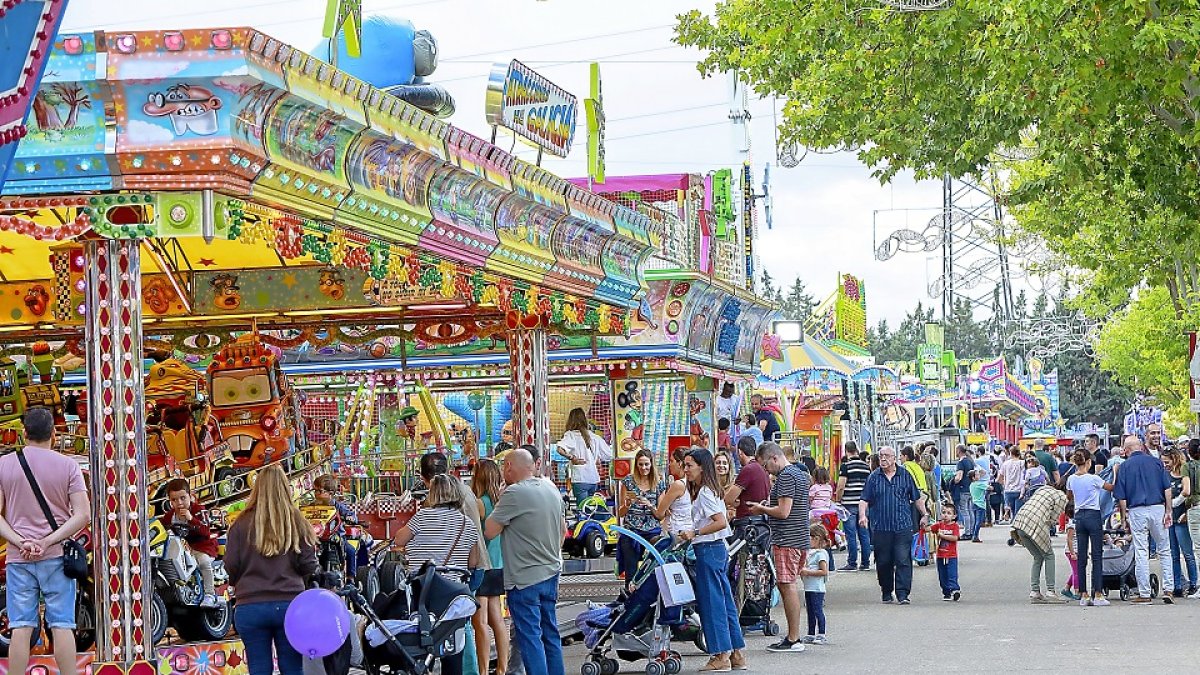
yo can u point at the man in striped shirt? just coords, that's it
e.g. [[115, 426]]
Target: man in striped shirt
[[852, 476], [886, 506]]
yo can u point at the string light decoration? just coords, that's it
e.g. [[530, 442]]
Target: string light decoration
[[29, 228]]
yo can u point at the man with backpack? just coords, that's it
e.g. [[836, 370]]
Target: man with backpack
[[43, 502]]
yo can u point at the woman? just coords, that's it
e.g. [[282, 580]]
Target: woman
[[1084, 490], [641, 491], [585, 451], [441, 534], [724, 464], [270, 553], [1181, 538], [714, 597], [487, 485], [675, 505]]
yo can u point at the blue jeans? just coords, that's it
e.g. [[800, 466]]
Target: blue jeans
[[948, 575], [814, 606], [714, 599], [893, 562], [980, 517], [32, 583], [1181, 546], [260, 625], [966, 516], [535, 627], [581, 491], [1012, 501], [857, 538]]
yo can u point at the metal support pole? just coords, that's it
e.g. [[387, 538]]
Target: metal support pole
[[530, 372], [116, 431]]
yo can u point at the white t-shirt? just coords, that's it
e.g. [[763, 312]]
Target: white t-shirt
[[813, 563], [706, 505], [723, 407], [1013, 471], [1086, 488], [573, 445]]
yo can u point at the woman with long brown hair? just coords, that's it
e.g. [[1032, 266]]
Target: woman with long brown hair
[[1183, 558], [714, 596], [640, 491], [487, 484], [270, 553], [585, 450], [675, 505]]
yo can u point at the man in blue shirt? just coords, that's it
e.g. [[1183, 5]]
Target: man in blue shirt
[[764, 418], [1142, 490], [886, 507], [960, 489]]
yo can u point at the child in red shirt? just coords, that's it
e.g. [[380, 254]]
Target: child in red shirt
[[947, 533]]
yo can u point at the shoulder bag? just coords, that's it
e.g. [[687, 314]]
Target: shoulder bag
[[75, 563]]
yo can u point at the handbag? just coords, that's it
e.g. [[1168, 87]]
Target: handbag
[[75, 563]]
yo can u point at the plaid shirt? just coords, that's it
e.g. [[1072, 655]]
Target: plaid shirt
[[1038, 513]]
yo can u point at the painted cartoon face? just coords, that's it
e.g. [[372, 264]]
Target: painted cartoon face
[[37, 299], [332, 284], [190, 108], [226, 293]]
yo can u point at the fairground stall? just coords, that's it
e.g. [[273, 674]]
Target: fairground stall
[[189, 205]]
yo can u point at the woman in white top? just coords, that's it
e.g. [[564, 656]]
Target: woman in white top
[[1083, 490], [714, 597], [585, 451], [675, 505]]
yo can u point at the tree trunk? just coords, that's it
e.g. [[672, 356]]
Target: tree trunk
[[45, 114]]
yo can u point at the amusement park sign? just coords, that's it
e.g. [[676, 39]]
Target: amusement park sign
[[532, 107]]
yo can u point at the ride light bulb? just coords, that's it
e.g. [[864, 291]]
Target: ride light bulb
[[174, 41], [126, 44], [73, 45]]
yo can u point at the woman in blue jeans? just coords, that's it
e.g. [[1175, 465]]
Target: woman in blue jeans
[[1084, 490], [1181, 537], [714, 597], [270, 553]]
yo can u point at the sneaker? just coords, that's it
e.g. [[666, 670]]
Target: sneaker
[[806, 639], [717, 664], [820, 640], [956, 595], [786, 645], [1141, 601], [1100, 602], [945, 598], [976, 540], [1069, 594], [1085, 602], [209, 601], [1035, 597], [904, 601], [848, 568], [1177, 593], [887, 599], [864, 568], [1189, 592], [1195, 595], [1168, 600]]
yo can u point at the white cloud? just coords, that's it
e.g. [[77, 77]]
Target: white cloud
[[151, 68], [148, 133]]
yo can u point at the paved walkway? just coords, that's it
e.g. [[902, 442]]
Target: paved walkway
[[993, 629]]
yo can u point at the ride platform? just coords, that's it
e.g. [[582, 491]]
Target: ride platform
[[227, 657]]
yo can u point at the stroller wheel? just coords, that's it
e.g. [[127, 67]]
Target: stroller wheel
[[609, 667], [590, 668], [771, 629], [1154, 588], [674, 665], [1124, 592], [699, 642], [656, 668]]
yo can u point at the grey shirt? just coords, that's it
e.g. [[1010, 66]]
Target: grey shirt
[[531, 513]]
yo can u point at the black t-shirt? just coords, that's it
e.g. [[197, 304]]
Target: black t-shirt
[[772, 425], [1176, 490], [966, 465]]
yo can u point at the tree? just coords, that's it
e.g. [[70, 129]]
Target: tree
[[769, 291], [902, 344], [968, 338], [73, 96], [798, 304]]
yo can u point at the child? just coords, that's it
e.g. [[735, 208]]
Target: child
[[979, 488], [324, 490], [1071, 589], [816, 568], [947, 533], [184, 519], [820, 504]]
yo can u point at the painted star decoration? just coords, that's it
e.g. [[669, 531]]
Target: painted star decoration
[[5, 249], [207, 262]]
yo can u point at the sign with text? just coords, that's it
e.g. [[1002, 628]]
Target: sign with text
[[532, 107]]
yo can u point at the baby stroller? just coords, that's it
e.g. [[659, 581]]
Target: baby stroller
[[637, 626], [417, 624], [831, 520], [1120, 566], [752, 574]]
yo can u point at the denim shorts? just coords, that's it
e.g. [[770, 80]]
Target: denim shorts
[[27, 582]]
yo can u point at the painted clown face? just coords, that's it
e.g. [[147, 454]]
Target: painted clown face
[[190, 108]]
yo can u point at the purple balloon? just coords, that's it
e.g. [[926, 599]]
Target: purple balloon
[[317, 623]]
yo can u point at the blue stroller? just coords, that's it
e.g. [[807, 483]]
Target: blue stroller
[[637, 626]]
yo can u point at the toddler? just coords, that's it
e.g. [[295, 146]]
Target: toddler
[[186, 521], [947, 532], [1071, 591], [816, 569]]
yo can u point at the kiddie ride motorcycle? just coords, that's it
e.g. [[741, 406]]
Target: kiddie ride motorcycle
[[179, 591], [375, 571]]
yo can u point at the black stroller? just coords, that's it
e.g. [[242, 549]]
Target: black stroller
[[752, 574], [1120, 566], [412, 627]]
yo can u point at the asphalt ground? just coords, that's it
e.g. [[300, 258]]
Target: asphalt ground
[[992, 629]]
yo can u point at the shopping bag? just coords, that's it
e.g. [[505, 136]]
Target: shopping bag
[[674, 584]]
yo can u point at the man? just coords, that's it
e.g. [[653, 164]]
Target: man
[[960, 490], [35, 565], [1154, 440], [788, 515], [1091, 443], [1031, 528], [852, 476], [914, 469], [1143, 491], [529, 515], [983, 463], [886, 507], [764, 418], [724, 405], [1012, 477], [1047, 461], [751, 486]]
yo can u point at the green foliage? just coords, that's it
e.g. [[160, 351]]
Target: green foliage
[[900, 345], [798, 304]]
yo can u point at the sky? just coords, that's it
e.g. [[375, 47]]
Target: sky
[[661, 116]]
